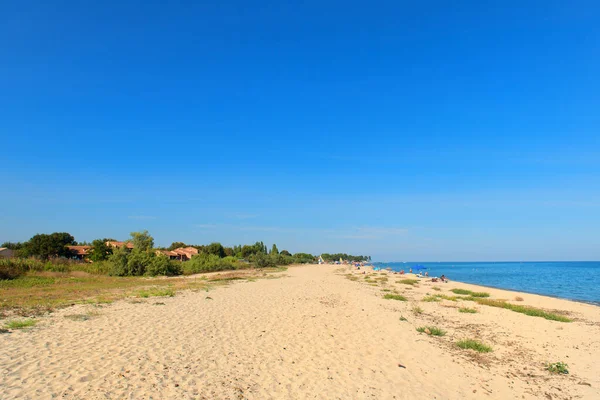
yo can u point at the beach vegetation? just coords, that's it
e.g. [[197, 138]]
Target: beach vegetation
[[20, 323], [403, 319], [417, 310], [470, 293], [527, 310], [429, 299], [558, 368], [474, 345], [436, 288], [431, 330], [518, 298], [467, 310], [390, 296], [156, 292], [408, 281]]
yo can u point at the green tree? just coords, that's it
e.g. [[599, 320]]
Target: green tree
[[100, 251], [45, 246], [176, 245], [216, 249], [274, 250], [285, 253], [142, 241], [161, 265]]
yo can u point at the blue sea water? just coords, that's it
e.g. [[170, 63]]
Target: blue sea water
[[570, 280]]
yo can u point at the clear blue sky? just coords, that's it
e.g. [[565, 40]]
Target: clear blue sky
[[405, 130]]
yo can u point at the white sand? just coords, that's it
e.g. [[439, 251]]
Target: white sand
[[311, 335]]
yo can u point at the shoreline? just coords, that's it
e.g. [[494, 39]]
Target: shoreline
[[312, 330], [592, 302]]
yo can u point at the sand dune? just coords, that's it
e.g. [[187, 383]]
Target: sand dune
[[313, 334]]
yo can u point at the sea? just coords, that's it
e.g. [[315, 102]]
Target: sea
[[573, 280]]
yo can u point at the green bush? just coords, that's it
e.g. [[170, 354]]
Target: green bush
[[209, 262], [262, 260], [161, 265], [11, 268]]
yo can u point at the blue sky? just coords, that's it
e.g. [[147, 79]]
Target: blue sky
[[403, 130]]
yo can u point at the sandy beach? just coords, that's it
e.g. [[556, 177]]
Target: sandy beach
[[315, 332]]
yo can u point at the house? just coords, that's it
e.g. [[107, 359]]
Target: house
[[79, 252], [6, 253], [116, 245], [171, 254], [186, 253]]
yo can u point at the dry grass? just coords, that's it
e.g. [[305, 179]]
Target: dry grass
[[39, 293], [518, 298]]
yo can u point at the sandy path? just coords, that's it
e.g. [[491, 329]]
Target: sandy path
[[312, 334]]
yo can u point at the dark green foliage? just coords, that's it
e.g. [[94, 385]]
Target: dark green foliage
[[142, 241], [336, 257], [304, 258], [161, 265], [215, 249], [176, 245], [261, 260], [209, 262], [274, 250], [100, 251], [45, 246], [13, 245], [285, 253]]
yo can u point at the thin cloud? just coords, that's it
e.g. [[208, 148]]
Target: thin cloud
[[205, 226], [242, 216]]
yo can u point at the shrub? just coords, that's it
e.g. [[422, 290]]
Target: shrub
[[470, 293], [209, 263], [431, 330], [408, 281], [394, 297], [161, 265], [474, 345], [261, 260], [558, 368], [20, 324], [11, 268], [531, 311]]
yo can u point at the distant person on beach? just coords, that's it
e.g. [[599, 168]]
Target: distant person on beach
[[410, 270], [426, 273], [443, 278]]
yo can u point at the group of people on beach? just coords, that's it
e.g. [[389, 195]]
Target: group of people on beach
[[420, 275]]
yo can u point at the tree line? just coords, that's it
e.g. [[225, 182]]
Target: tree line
[[48, 250]]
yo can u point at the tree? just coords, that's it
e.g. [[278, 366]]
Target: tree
[[176, 245], [142, 241], [100, 251], [274, 250], [45, 246], [285, 253], [216, 249]]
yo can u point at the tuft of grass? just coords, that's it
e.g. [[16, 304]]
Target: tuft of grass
[[417, 310], [474, 345], [467, 310], [430, 299], [394, 297], [385, 290], [156, 292], [445, 297], [402, 318], [431, 330], [470, 293], [518, 298], [20, 324], [408, 281], [436, 288], [527, 310], [558, 368]]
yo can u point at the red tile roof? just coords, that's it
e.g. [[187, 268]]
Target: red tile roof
[[79, 250]]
